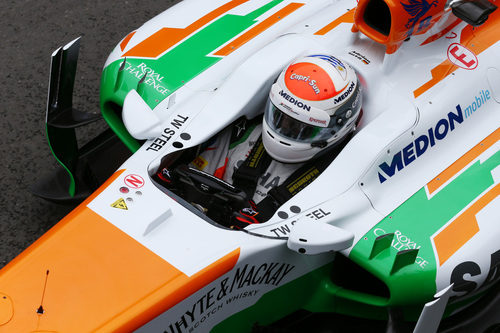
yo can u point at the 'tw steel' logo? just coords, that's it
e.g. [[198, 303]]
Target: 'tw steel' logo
[[417, 9]]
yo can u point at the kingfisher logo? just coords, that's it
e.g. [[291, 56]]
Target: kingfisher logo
[[437, 133], [417, 10], [295, 101]]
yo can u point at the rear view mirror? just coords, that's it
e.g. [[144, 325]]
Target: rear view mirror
[[313, 237], [474, 12]]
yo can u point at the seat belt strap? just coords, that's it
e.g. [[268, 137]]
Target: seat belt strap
[[296, 182], [247, 175]]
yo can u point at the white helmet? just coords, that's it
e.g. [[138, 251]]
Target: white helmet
[[312, 106]]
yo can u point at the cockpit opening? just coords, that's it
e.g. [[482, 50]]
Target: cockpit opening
[[231, 180]]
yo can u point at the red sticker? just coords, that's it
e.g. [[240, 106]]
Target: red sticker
[[462, 57], [134, 181]]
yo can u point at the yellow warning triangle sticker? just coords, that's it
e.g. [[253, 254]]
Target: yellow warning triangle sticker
[[120, 203]]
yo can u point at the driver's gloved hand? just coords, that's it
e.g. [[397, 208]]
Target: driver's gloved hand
[[244, 217]]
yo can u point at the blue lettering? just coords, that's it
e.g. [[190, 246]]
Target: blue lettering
[[431, 137], [418, 147], [442, 123], [397, 163], [424, 140], [408, 155], [459, 117]]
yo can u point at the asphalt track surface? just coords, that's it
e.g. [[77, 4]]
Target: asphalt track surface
[[29, 32]]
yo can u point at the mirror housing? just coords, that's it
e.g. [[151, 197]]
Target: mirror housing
[[312, 237], [474, 12], [141, 122]]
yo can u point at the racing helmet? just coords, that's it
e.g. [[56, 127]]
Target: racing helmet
[[313, 105]]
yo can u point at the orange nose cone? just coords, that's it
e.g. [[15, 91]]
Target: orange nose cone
[[86, 275]]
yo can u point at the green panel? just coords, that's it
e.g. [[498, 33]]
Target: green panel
[[62, 143], [172, 70], [417, 220]]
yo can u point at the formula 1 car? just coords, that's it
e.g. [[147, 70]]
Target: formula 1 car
[[401, 228]]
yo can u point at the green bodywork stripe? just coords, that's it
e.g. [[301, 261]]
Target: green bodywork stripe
[[416, 220], [173, 69], [64, 138]]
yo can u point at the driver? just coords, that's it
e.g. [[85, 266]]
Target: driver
[[312, 111]]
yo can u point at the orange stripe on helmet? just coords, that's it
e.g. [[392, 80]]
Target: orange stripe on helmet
[[463, 161], [258, 29], [463, 228], [165, 38]]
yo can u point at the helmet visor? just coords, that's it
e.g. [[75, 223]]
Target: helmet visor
[[292, 128]]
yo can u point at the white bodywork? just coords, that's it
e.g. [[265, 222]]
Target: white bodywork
[[349, 191]]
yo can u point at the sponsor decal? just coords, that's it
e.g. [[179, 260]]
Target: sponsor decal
[[345, 94], [167, 134], [438, 132], [200, 162], [257, 156], [359, 56], [462, 57], [120, 204], [318, 214], [462, 274], [243, 283], [250, 211], [265, 183], [402, 242], [286, 107], [304, 180], [294, 101], [314, 120], [417, 9], [307, 79], [134, 181], [152, 79], [284, 229]]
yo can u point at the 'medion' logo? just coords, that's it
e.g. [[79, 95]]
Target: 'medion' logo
[[414, 150], [345, 94], [294, 101]]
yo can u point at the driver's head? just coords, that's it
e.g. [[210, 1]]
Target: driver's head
[[313, 105]]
